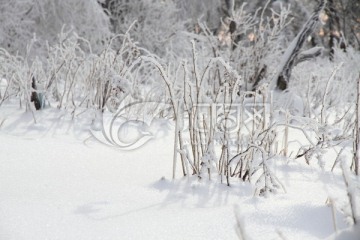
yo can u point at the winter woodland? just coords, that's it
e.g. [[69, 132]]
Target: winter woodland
[[258, 100]]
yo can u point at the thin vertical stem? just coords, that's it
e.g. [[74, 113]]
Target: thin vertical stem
[[357, 131]]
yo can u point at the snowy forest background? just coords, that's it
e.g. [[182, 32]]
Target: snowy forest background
[[241, 84]]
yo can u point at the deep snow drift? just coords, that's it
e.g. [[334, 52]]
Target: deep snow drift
[[57, 183]]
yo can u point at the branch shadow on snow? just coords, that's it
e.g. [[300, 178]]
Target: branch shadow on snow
[[49, 121], [193, 192], [187, 193]]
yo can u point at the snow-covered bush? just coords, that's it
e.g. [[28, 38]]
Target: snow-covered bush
[[156, 25], [71, 77], [42, 21], [15, 72], [218, 132], [204, 11], [260, 43]]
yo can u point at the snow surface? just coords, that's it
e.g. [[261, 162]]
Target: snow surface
[[56, 183]]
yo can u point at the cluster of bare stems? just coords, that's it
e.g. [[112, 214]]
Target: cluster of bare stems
[[72, 76]]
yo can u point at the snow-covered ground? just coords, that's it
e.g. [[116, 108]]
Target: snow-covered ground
[[56, 183]]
